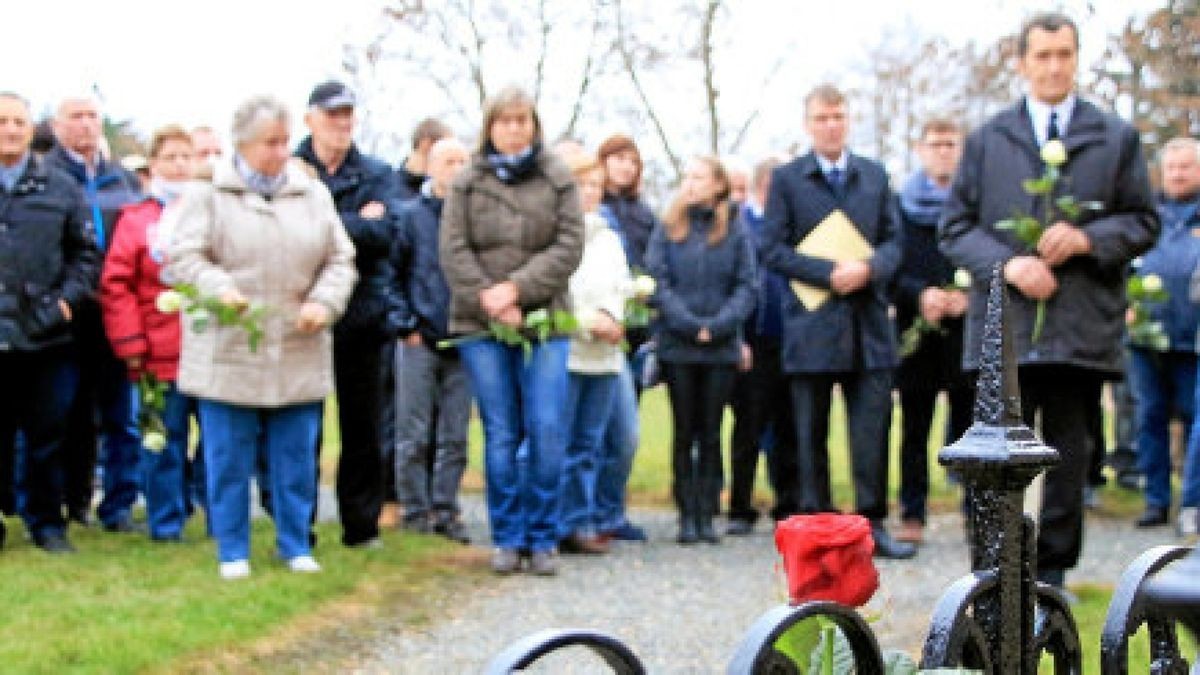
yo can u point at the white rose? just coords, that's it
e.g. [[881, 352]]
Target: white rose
[[644, 286], [1152, 283], [154, 441], [962, 278], [1054, 153], [169, 302]]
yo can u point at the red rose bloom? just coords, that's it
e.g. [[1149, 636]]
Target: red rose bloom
[[828, 557]]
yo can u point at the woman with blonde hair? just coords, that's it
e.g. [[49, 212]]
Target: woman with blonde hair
[[704, 266]]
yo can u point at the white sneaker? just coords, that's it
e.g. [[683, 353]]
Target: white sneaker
[[1188, 521], [304, 564], [238, 569]]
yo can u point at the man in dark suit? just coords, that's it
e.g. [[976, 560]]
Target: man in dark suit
[[1077, 268], [848, 339]]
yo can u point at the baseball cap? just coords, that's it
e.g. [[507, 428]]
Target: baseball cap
[[332, 95]]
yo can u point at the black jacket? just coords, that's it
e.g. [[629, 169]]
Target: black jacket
[[937, 362], [846, 333], [419, 274], [408, 184], [702, 286], [1085, 317], [47, 253], [374, 311]]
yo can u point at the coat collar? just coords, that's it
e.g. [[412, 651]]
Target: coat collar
[[299, 180], [1087, 125]]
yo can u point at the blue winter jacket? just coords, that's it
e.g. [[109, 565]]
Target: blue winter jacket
[[702, 286], [1175, 257]]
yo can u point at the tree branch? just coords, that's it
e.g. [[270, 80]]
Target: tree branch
[[631, 70], [710, 87]]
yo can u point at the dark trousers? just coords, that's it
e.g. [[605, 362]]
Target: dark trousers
[[356, 366], [762, 406], [698, 393], [36, 391], [868, 398], [1063, 397], [917, 403], [387, 438]]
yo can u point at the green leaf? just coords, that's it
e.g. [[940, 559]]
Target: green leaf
[[1067, 205], [1038, 186], [199, 325], [1133, 287], [800, 641]]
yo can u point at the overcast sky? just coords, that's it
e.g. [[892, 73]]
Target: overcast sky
[[159, 61]]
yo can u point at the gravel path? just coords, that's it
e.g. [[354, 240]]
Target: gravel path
[[683, 609]]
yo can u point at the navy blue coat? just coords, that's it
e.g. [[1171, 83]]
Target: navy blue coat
[[1085, 318], [419, 274], [374, 311], [846, 333], [1176, 257], [47, 253], [702, 286], [634, 222]]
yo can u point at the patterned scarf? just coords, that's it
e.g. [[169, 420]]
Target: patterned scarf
[[513, 168]]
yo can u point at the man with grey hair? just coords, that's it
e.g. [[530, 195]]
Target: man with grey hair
[[1075, 272], [364, 193], [433, 398], [48, 271], [104, 391], [1164, 380]]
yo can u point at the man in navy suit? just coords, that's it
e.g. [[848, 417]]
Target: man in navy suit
[[847, 340], [1077, 268]]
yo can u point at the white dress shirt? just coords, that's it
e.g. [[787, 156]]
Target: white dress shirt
[[1039, 114]]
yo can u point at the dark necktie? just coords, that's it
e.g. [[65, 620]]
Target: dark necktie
[[1052, 132], [837, 181]]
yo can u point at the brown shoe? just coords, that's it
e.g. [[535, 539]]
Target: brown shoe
[[911, 531], [588, 545], [389, 515]]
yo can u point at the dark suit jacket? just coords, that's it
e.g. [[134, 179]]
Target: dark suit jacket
[[1085, 317], [846, 333]]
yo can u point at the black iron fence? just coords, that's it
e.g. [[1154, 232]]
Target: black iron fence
[[997, 619]]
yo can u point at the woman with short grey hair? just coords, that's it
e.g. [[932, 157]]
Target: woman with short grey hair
[[262, 233]]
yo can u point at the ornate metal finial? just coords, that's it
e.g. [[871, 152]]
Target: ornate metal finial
[[997, 398]]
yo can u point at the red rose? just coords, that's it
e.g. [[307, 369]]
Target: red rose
[[828, 557]]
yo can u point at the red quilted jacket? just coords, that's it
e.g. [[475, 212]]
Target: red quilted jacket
[[129, 285]]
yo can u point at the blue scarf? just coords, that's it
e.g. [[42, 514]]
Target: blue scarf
[[922, 200], [513, 168], [261, 183]]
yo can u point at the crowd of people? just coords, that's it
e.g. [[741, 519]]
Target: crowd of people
[[507, 274]]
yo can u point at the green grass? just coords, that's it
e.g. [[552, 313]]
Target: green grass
[[1089, 617], [124, 604]]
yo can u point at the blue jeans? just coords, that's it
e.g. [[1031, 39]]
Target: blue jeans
[[1190, 494], [589, 405], [120, 441], [616, 454], [165, 479], [1165, 384], [521, 399], [231, 436]]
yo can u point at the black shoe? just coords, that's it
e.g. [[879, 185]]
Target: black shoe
[[80, 517], [125, 526], [54, 542], [1153, 516], [738, 527], [417, 523], [452, 529], [1052, 577], [706, 531], [887, 547], [687, 530], [3, 533]]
